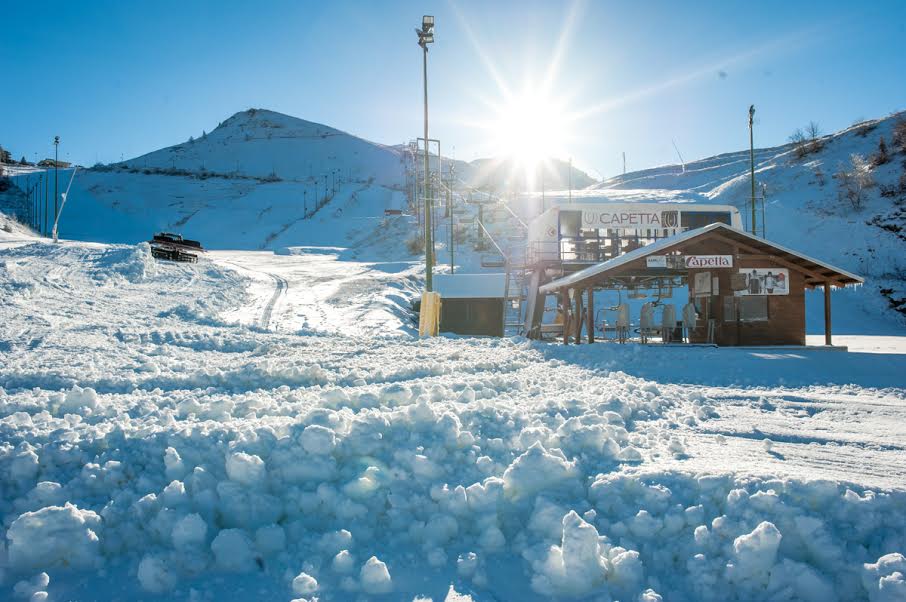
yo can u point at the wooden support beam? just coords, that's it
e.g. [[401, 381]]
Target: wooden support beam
[[564, 306], [827, 313], [578, 320], [591, 315]]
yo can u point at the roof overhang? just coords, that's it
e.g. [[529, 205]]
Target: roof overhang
[[816, 273]]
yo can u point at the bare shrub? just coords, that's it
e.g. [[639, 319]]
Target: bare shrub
[[797, 139], [899, 135], [416, 245], [813, 133], [819, 176], [808, 141], [882, 156], [888, 190], [853, 181], [863, 128]]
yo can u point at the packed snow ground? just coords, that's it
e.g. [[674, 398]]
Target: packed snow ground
[[191, 432]]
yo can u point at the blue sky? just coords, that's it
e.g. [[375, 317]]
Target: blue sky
[[123, 78]]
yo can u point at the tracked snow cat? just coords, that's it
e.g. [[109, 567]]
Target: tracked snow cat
[[173, 247]]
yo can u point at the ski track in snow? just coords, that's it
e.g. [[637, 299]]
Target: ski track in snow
[[279, 291], [157, 442]]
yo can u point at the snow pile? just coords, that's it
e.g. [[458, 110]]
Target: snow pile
[[54, 536], [163, 451], [885, 580]]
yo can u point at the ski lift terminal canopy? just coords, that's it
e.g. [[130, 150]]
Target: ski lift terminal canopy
[[815, 273]]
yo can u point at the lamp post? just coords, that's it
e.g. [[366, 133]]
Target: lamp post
[[752, 161], [56, 165], [425, 37]]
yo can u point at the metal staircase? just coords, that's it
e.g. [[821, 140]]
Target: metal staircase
[[515, 293], [503, 235]]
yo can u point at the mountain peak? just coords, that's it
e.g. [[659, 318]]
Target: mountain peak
[[266, 119]]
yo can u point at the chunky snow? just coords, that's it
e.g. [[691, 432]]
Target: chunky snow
[[154, 435]]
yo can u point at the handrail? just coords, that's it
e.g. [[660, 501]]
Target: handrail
[[493, 242], [513, 213]]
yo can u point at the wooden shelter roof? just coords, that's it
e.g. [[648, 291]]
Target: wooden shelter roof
[[817, 273]]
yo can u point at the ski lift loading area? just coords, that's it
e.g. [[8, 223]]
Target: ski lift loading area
[[742, 291], [659, 272]]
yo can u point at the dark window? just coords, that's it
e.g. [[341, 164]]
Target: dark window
[[570, 223], [700, 219], [753, 308], [729, 309]]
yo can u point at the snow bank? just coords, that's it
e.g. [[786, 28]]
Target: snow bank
[[54, 536], [162, 452]]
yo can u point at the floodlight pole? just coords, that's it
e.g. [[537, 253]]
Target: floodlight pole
[[752, 162], [56, 165], [424, 35]]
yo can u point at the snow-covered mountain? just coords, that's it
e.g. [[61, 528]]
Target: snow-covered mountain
[[253, 182]]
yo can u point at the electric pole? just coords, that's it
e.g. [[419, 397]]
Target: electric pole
[[764, 198], [425, 37], [752, 160], [570, 180], [46, 206], [56, 165]]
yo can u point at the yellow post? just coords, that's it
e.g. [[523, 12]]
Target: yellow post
[[429, 315]]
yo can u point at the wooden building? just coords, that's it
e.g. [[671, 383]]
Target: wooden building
[[471, 304], [746, 290]]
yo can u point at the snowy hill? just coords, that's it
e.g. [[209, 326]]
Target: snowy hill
[[506, 175], [806, 208], [265, 144], [247, 184]]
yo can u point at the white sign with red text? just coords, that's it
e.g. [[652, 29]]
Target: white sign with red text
[[709, 261]]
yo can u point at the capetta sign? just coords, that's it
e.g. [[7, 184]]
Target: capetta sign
[[677, 262], [709, 261], [631, 218]]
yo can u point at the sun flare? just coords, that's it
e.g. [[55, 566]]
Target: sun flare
[[529, 128]]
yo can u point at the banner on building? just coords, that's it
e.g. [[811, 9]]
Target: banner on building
[[765, 281], [701, 284], [679, 262]]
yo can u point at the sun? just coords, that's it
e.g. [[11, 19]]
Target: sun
[[529, 128]]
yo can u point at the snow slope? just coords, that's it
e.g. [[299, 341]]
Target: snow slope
[[168, 432], [244, 185]]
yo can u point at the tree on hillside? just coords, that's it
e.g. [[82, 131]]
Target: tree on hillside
[[813, 132], [882, 156], [797, 139], [899, 135], [854, 181]]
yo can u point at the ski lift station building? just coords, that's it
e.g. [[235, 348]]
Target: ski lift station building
[[745, 290]]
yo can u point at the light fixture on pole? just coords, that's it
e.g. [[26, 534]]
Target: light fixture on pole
[[752, 160], [56, 165], [425, 37]]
